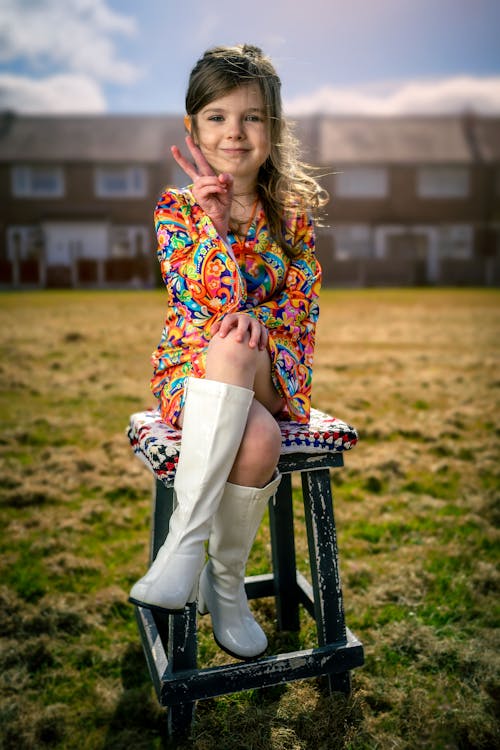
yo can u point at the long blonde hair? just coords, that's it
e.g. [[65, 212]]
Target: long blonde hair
[[284, 182]]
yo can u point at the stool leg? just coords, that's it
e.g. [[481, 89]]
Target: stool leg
[[163, 506], [182, 654], [177, 632], [323, 554], [283, 550]]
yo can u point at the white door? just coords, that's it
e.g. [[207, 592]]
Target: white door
[[67, 242]]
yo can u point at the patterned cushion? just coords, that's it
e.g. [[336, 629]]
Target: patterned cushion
[[158, 444]]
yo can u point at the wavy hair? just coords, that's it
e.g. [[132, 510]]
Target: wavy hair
[[284, 182]]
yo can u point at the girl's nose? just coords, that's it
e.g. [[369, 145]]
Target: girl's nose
[[235, 129]]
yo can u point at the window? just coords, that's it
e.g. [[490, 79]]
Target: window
[[24, 243], [120, 182], [129, 241], [456, 241], [37, 181], [361, 182], [352, 241], [443, 182], [406, 244]]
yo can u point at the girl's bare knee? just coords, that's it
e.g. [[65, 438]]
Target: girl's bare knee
[[237, 352], [266, 442], [259, 450]]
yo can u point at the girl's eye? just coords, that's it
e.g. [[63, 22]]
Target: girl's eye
[[248, 118]]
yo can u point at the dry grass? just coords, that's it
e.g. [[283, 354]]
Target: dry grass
[[417, 371]]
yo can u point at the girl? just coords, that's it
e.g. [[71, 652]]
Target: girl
[[236, 251]]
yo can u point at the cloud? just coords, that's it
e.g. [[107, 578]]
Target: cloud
[[439, 96], [59, 94], [52, 36]]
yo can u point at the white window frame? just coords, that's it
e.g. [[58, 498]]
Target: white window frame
[[443, 182], [130, 234], [31, 239], [456, 241], [353, 241], [24, 178], [134, 179], [362, 182]]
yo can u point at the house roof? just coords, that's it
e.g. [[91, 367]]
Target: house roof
[[385, 140], [97, 138], [326, 140]]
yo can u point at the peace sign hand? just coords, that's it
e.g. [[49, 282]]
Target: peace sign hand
[[214, 193]]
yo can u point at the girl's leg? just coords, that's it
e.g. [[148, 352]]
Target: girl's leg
[[232, 361], [214, 420], [252, 482], [222, 582]]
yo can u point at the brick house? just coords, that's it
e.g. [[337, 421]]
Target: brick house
[[77, 195], [415, 200]]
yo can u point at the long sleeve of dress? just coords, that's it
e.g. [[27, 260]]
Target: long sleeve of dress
[[202, 279]]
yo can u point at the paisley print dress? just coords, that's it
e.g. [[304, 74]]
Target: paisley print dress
[[204, 283]]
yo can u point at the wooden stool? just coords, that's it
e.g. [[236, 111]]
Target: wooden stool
[[170, 642]]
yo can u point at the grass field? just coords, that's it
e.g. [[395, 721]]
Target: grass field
[[416, 371]]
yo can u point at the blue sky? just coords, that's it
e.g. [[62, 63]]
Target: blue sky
[[359, 56]]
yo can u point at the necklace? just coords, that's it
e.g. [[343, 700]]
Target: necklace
[[240, 240]]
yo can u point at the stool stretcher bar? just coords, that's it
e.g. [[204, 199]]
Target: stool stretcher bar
[[175, 688]]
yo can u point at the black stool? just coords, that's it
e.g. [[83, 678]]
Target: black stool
[[170, 641]]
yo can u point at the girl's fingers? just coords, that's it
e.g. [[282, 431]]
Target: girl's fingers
[[226, 324], [247, 324], [240, 321], [202, 164], [208, 186], [263, 338], [184, 163], [242, 327], [226, 179], [257, 333], [202, 167]]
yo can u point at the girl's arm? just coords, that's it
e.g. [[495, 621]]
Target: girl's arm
[[202, 279]]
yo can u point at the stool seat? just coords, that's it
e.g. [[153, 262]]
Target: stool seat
[[158, 444], [170, 640]]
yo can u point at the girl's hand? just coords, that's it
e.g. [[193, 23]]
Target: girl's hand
[[244, 324], [213, 192]]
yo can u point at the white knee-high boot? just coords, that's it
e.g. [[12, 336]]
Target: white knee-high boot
[[215, 415], [222, 581]]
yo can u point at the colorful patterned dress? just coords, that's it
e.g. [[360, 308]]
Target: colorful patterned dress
[[204, 284]]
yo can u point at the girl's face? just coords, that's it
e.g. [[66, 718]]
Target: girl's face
[[233, 133]]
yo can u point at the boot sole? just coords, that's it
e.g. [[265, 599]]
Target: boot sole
[[238, 656], [232, 653]]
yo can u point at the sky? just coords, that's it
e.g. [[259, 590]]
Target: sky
[[377, 57]]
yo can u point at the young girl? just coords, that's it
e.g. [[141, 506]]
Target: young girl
[[236, 250]]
